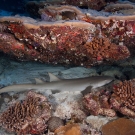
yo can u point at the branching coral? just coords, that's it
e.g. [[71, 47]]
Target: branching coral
[[123, 97], [28, 116]]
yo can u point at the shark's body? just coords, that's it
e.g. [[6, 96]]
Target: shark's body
[[56, 84]]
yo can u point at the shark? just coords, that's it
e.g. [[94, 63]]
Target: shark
[[84, 85]]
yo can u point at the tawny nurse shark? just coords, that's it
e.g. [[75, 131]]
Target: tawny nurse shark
[[55, 84]]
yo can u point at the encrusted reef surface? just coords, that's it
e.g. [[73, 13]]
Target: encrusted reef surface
[[68, 36]]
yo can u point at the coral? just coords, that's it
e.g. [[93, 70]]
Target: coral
[[55, 13], [28, 116], [97, 103], [100, 49], [120, 126], [123, 97], [71, 43], [120, 30], [3, 27], [54, 123], [86, 41]]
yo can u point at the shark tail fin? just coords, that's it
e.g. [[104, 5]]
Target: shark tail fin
[[53, 77]]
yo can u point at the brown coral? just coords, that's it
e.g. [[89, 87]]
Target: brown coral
[[101, 49], [120, 126], [28, 116], [123, 97]]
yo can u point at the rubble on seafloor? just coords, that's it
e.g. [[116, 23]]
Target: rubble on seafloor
[[35, 114], [68, 112]]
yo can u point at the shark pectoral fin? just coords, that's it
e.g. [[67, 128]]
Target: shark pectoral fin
[[39, 81], [87, 90], [53, 77]]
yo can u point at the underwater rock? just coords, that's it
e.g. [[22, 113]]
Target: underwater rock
[[118, 7], [55, 123], [68, 42], [92, 4], [33, 7], [121, 126], [97, 121], [114, 73], [68, 105], [27, 116], [97, 103]]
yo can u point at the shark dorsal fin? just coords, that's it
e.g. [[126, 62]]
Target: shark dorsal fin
[[39, 81], [53, 77]]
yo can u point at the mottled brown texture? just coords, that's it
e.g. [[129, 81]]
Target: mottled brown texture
[[27, 116], [101, 49], [120, 126]]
